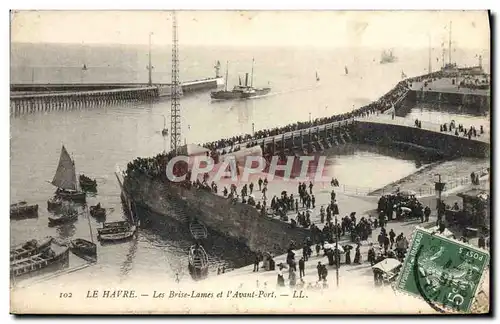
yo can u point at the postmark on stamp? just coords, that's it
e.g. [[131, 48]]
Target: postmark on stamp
[[444, 272]]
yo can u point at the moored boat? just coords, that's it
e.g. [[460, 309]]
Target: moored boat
[[116, 231], [71, 195], [66, 216], [87, 184], [83, 248], [54, 203], [30, 248], [55, 254], [198, 230], [97, 211], [198, 262], [22, 210], [65, 179]]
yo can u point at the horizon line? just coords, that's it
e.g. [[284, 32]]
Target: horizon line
[[227, 45]]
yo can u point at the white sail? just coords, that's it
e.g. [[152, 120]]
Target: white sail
[[65, 177]]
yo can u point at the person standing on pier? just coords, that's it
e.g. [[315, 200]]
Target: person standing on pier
[[318, 248], [481, 242], [256, 263], [251, 187], [357, 256], [296, 205], [319, 267], [302, 267], [392, 235], [427, 213], [313, 201], [310, 187], [260, 184]]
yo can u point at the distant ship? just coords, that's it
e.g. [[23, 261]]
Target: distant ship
[[317, 76], [346, 70], [387, 57], [240, 91]]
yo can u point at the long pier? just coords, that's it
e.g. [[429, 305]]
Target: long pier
[[58, 87], [35, 98], [35, 103]]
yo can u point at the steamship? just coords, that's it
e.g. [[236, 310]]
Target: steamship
[[240, 91]]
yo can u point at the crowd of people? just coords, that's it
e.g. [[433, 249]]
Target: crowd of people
[[402, 206], [460, 130], [475, 83], [384, 103]]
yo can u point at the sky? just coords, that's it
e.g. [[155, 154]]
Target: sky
[[470, 29]]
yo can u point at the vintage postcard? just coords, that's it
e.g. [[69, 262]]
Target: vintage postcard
[[250, 162]]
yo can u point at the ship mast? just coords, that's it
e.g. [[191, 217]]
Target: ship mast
[[443, 56], [430, 54], [150, 80], [175, 111], [251, 77], [227, 69], [449, 46]]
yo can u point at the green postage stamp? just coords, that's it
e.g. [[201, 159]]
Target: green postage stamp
[[444, 272]]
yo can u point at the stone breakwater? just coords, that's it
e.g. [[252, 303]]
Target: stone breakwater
[[243, 222], [231, 219]]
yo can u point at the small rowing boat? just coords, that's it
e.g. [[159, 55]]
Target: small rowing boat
[[30, 248], [83, 248], [97, 211], [22, 210], [66, 216], [198, 230], [198, 262], [116, 231]]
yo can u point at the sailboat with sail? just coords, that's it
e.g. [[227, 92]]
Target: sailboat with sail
[[346, 70], [65, 179], [317, 76]]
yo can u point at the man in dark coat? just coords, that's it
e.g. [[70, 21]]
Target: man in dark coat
[[348, 256], [371, 256], [427, 213], [319, 267], [481, 242], [256, 263], [302, 266], [392, 235], [386, 243]]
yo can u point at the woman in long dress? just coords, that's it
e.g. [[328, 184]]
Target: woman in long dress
[[357, 256]]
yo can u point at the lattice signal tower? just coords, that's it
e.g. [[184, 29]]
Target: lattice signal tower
[[175, 109]]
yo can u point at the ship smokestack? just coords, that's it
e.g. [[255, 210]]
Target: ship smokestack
[[246, 79]]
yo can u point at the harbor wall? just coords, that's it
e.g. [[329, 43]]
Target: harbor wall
[[470, 100], [446, 143], [60, 97], [236, 220]]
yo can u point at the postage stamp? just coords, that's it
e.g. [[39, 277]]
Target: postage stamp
[[446, 273]]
